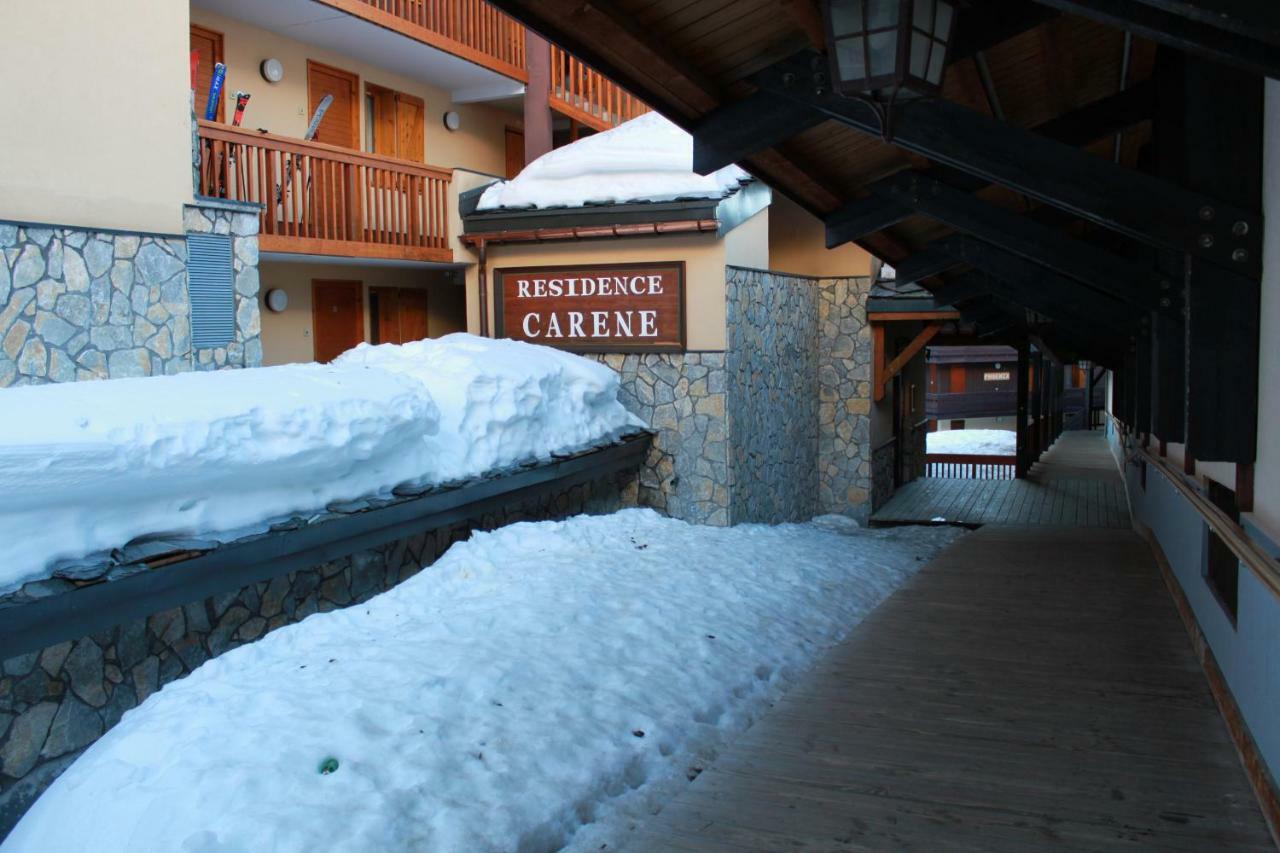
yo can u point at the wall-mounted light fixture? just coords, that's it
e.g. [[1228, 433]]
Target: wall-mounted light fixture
[[452, 121], [272, 70], [277, 300]]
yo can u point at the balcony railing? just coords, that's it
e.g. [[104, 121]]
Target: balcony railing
[[970, 466], [585, 95], [472, 29], [325, 200]]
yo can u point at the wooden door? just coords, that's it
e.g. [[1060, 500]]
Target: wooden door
[[384, 315], [515, 152], [337, 317], [341, 124], [209, 44], [413, 314], [396, 121]]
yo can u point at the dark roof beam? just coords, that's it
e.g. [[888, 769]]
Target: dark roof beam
[[1239, 33], [1143, 207]]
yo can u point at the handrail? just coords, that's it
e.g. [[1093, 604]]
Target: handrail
[[327, 200], [970, 466], [472, 29], [293, 145], [1265, 567], [584, 94]]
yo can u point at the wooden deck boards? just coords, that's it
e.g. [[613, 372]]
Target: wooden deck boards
[[1030, 689], [1075, 484]]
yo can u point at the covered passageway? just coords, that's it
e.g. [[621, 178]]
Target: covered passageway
[[1086, 183]]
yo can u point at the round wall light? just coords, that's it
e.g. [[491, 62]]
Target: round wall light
[[272, 70], [452, 121], [277, 300]]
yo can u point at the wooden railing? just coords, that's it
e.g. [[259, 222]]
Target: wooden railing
[[472, 29], [970, 466], [585, 95], [325, 200]]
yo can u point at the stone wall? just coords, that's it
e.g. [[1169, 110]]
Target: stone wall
[[844, 387], [772, 361], [777, 427], [80, 304], [56, 702], [683, 397], [882, 486]]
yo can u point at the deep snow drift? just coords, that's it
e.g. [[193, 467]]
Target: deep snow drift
[[979, 442], [88, 466], [645, 159], [546, 684]]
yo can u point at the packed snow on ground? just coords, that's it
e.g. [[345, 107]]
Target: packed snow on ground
[[88, 466], [979, 442], [645, 159], [548, 684]]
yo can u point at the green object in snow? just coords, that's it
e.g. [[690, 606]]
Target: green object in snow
[[329, 765]]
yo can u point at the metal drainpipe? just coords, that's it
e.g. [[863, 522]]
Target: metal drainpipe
[[484, 290]]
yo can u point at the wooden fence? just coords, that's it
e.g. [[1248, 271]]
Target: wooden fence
[[585, 95], [322, 199], [970, 466]]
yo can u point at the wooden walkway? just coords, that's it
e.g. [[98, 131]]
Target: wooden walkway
[[1032, 688], [1075, 484]]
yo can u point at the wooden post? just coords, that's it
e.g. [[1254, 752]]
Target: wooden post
[[537, 98], [1020, 470], [877, 361]]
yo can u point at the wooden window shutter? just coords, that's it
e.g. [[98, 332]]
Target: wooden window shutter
[[209, 45]]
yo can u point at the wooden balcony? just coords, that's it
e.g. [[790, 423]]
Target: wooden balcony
[[471, 29], [324, 200], [587, 96]]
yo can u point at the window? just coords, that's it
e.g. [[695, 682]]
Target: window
[[1221, 566], [210, 288]]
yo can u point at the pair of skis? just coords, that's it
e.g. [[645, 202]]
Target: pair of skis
[[215, 91], [312, 129]]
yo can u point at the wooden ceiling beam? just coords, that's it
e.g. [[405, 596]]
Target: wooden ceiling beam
[[1143, 207], [1017, 234], [863, 217], [1247, 38]]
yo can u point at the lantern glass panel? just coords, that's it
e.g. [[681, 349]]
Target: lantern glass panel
[[846, 18], [919, 54], [922, 15], [883, 48], [882, 13], [942, 23], [935, 64], [851, 58]]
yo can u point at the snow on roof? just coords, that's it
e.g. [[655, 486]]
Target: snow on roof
[[645, 159]]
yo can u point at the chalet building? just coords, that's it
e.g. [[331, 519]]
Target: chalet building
[[972, 387], [301, 248]]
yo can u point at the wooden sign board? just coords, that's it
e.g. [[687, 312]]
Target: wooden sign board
[[594, 308]]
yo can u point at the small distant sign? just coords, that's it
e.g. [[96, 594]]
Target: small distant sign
[[996, 376], [606, 308]]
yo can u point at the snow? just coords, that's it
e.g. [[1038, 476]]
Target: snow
[[545, 685], [978, 442], [645, 159], [89, 466]]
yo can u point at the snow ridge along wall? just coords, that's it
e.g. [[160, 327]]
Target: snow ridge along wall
[[91, 466]]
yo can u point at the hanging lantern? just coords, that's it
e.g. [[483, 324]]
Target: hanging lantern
[[884, 49]]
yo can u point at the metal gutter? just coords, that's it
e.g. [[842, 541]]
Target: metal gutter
[[33, 625], [591, 232]]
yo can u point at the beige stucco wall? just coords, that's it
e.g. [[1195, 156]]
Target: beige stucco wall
[[703, 254], [797, 244], [97, 128], [748, 244], [282, 108], [287, 336]]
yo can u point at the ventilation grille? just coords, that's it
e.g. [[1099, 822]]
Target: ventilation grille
[[211, 285]]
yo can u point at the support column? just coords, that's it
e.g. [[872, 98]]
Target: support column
[[1024, 377], [537, 97]]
